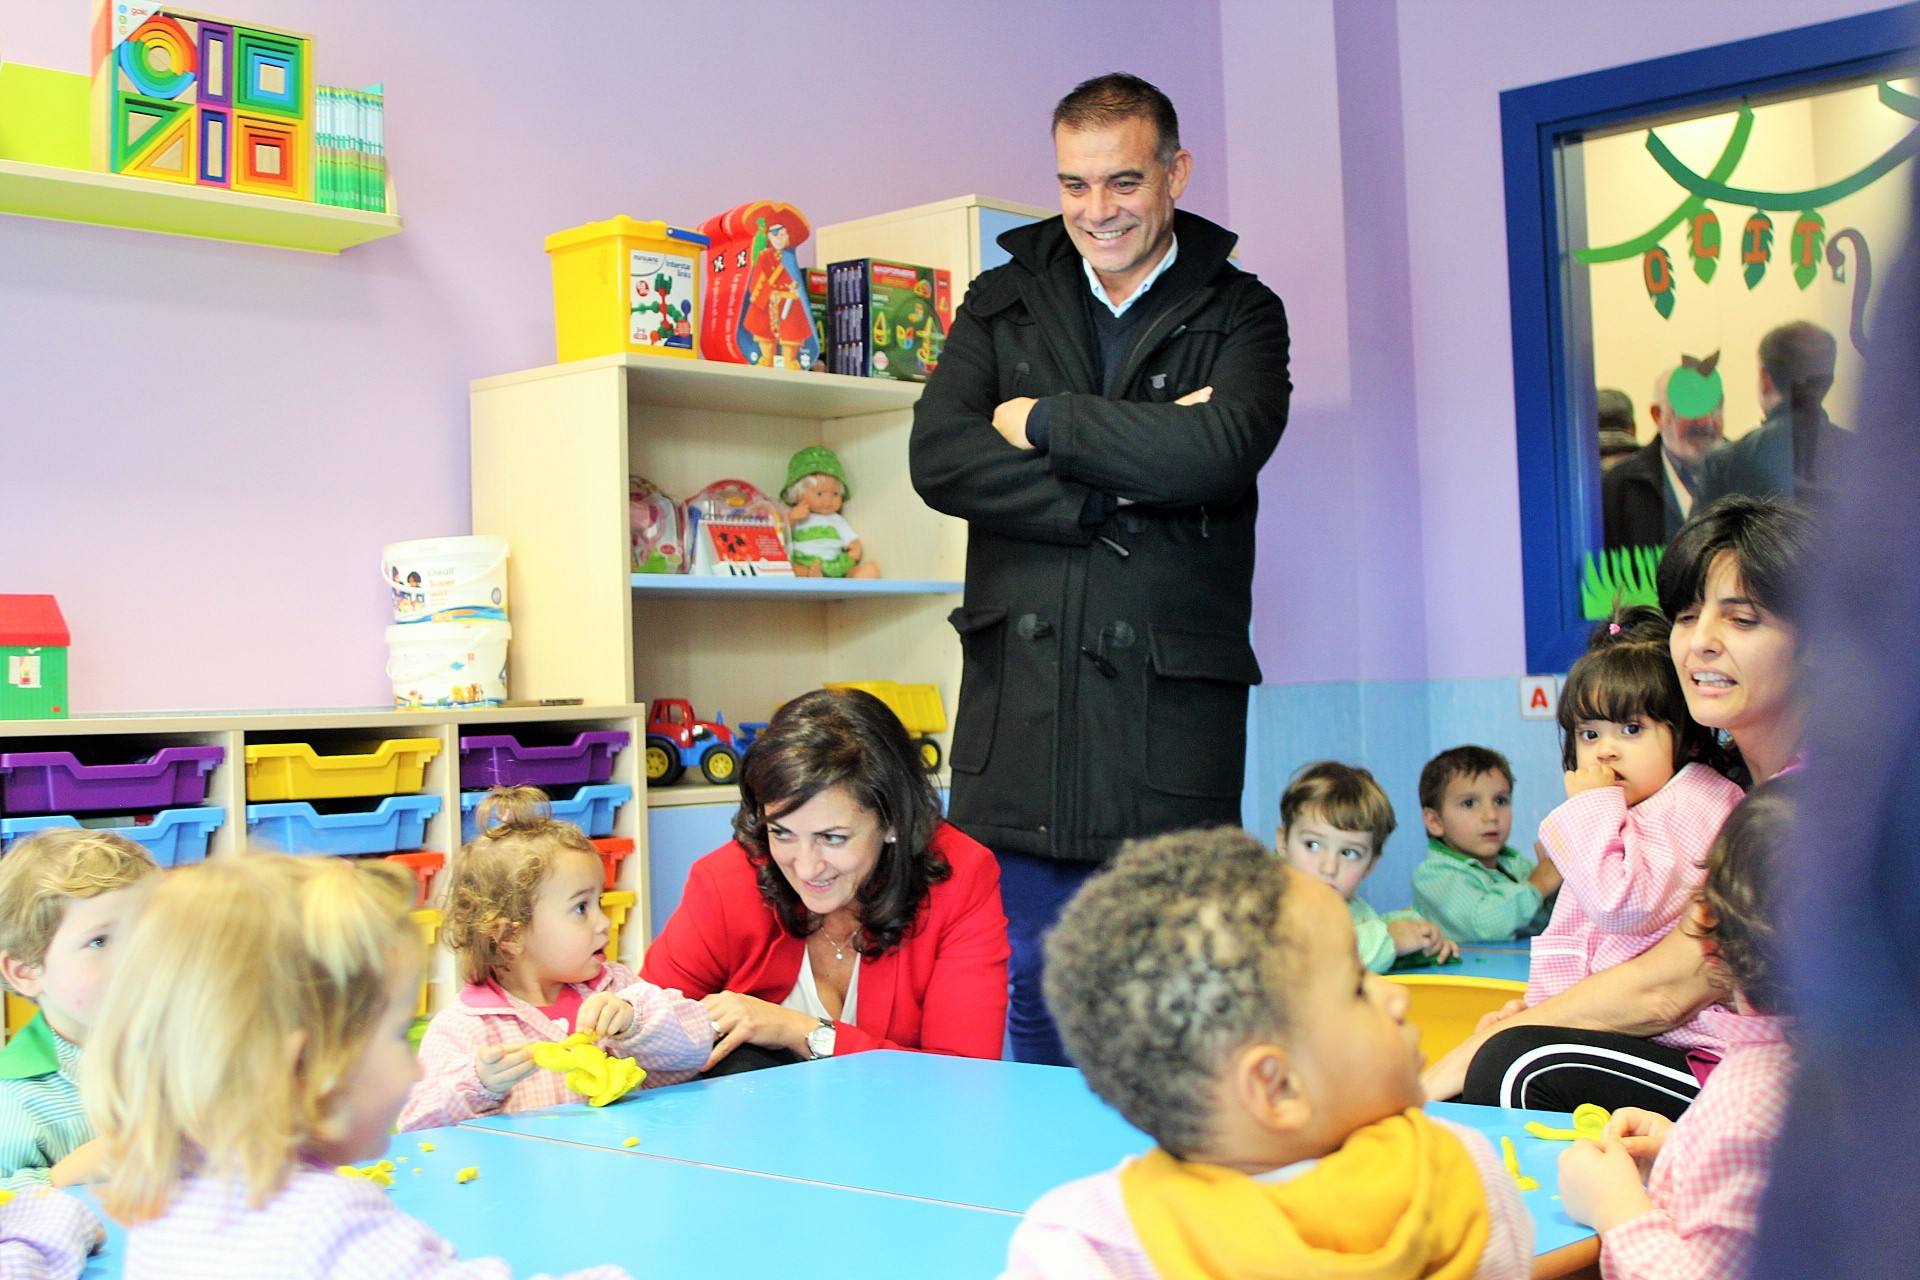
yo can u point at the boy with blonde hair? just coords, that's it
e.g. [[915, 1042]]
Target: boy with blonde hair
[[1214, 996], [67, 897], [1334, 821]]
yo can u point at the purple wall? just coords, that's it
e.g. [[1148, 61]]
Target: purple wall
[[207, 444], [1391, 540]]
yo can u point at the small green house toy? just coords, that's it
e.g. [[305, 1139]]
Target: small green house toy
[[33, 654]]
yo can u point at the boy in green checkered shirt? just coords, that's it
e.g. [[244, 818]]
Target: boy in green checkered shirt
[[1477, 888], [1334, 820], [68, 898]]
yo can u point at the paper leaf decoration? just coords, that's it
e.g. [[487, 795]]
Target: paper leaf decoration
[[1756, 246], [1809, 238], [1703, 244], [1656, 270]]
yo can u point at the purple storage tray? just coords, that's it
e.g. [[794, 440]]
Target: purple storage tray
[[498, 760], [56, 782]]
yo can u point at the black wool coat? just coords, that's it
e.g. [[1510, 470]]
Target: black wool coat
[[1107, 660]]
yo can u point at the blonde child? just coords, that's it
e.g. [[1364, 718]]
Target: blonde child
[[1334, 820], [1471, 883], [522, 912], [67, 900], [1214, 996], [1699, 1208], [254, 1041], [1641, 811]]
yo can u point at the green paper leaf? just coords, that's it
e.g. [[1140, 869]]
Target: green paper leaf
[[1809, 238], [1617, 578], [1703, 244], [1756, 246], [1656, 272]]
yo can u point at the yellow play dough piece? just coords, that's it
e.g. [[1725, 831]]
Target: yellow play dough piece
[[1511, 1158], [1589, 1121], [630, 1142], [467, 1174], [426, 1146], [379, 1174], [5, 1195], [589, 1069]]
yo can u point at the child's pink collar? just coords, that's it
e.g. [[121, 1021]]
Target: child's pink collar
[[491, 997]]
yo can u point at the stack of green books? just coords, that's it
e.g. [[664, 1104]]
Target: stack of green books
[[350, 157]]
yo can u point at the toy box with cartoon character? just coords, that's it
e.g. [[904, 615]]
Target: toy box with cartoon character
[[756, 291], [888, 319], [623, 286]]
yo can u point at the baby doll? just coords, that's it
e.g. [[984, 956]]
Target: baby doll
[[823, 544]]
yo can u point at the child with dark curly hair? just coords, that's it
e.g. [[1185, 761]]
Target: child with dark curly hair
[[1214, 996]]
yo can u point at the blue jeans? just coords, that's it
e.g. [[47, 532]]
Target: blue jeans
[[1032, 891]]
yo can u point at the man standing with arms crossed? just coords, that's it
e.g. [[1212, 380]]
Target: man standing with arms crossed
[[1100, 415]]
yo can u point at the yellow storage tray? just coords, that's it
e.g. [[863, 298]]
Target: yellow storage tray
[[295, 771], [429, 920], [616, 903]]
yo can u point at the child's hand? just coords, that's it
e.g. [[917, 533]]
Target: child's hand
[[84, 1164], [604, 1014], [1442, 948], [1600, 1185], [1410, 936], [501, 1068], [1545, 876], [1642, 1133], [1201, 396], [1590, 778]]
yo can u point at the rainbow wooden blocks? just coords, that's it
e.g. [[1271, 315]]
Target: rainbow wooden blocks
[[188, 98]]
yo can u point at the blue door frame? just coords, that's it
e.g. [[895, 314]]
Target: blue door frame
[[1553, 391]]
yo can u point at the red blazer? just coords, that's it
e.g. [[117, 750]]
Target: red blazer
[[942, 989]]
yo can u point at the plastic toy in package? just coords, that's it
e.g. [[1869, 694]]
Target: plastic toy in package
[[659, 538]]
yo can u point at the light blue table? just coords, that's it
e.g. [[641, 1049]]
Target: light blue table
[[1507, 963], [992, 1135], [555, 1207]]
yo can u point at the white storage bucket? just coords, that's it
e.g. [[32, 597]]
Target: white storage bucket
[[447, 579], [448, 664]]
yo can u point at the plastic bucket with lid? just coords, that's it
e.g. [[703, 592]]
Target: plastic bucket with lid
[[447, 579], [448, 664]]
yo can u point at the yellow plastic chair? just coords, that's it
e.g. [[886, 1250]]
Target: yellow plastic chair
[[1445, 1006]]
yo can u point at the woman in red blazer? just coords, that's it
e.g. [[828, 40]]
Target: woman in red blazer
[[846, 914]]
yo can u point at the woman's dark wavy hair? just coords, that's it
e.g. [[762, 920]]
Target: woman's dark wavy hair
[[844, 737], [1743, 870], [1628, 671], [1769, 538]]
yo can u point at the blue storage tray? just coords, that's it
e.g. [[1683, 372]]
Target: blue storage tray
[[398, 823], [174, 837], [591, 809]]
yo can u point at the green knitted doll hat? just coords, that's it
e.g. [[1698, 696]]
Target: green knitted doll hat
[[817, 459]]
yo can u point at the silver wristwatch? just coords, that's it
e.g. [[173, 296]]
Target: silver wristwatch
[[820, 1040]]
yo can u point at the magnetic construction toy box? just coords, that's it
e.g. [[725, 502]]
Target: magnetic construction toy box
[[889, 319]]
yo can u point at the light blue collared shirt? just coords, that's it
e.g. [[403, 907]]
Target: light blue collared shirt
[[1120, 309]]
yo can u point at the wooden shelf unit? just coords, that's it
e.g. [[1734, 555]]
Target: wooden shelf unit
[[129, 737]]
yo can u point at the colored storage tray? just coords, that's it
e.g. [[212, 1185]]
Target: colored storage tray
[[398, 822], [591, 808], [499, 760], [295, 771], [425, 865], [613, 851], [56, 782], [174, 837]]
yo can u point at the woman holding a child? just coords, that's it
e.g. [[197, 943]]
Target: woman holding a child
[[1728, 582]]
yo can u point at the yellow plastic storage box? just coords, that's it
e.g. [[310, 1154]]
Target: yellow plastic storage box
[[624, 286], [429, 920], [1445, 1007], [295, 771], [616, 903]]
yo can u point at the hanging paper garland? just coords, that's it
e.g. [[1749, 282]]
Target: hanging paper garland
[[1809, 237], [1756, 246], [1703, 243], [1656, 270]]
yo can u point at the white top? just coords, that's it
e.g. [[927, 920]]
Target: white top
[[805, 995], [1120, 309]]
